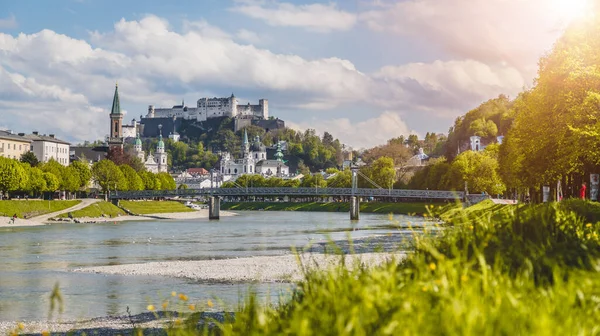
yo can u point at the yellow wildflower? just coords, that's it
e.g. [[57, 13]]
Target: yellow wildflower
[[45, 333], [210, 303], [183, 297], [21, 326], [151, 307], [471, 227], [165, 305], [432, 266], [424, 289], [588, 225], [178, 321], [464, 277], [192, 307], [173, 293]]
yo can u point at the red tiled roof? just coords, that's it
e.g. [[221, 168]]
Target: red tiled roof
[[200, 171]]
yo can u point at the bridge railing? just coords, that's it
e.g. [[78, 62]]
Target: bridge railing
[[361, 192]]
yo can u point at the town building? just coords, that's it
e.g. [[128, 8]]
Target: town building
[[89, 155], [254, 161], [130, 131], [274, 167], [46, 147], [13, 145]]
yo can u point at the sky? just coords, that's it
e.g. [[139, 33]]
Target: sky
[[363, 70]]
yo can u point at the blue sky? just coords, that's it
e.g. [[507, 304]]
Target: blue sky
[[364, 70]]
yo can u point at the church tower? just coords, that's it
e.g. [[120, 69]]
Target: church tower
[[116, 122], [245, 145], [160, 155], [137, 147]]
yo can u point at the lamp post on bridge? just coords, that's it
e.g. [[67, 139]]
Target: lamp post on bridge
[[354, 200], [214, 203]]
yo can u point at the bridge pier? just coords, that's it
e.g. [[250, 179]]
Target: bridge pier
[[214, 207], [354, 207]]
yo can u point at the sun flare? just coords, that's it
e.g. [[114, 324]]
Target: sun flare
[[570, 10]]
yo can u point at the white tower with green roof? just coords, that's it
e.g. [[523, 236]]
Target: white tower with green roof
[[160, 156]]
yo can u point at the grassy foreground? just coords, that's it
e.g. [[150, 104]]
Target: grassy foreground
[[97, 210], [32, 208], [510, 270], [154, 207], [371, 207]]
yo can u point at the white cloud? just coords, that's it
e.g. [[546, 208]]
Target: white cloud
[[28, 105], [313, 17], [9, 22], [71, 81], [446, 86], [248, 36], [512, 31], [363, 134]]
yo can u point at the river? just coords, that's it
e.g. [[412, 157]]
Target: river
[[34, 259]]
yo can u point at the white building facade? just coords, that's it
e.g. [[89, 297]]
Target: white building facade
[[46, 147], [156, 163], [207, 108], [254, 161]]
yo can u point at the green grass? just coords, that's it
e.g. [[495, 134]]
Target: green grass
[[96, 210], [32, 208], [154, 207], [512, 270], [370, 207]]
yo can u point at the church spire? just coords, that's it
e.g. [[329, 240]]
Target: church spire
[[116, 106], [245, 137], [279, 154]]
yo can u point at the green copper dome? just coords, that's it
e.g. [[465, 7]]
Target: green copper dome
[[161, 143], [138, 141]]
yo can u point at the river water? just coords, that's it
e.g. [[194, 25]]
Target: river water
[[34, 259]]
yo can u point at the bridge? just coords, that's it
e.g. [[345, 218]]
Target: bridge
[[318, 192], [354, 194]]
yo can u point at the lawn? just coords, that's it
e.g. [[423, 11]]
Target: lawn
[[32, 208], [370, 207], [154, 207], [96, 210]]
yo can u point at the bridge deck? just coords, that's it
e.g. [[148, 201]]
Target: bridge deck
[[325, 192]]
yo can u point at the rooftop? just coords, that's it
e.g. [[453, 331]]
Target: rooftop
[[9, 135], [50, 138]]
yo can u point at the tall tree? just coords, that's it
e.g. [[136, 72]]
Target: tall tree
[[84, 173], [108, 175], [133, 180], [29, 157], [13, 176]]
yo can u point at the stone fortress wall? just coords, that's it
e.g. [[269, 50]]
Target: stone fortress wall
[[207, 108]]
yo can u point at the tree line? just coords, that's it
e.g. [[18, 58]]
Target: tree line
[[552, 130], [381, 173], [28, 176]]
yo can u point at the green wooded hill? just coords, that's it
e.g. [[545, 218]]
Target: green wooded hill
[[200, 141]]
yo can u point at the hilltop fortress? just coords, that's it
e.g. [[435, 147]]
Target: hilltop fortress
[[206, 109]]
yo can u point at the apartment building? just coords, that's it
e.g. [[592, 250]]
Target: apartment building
[[46, 147], [13, 145]]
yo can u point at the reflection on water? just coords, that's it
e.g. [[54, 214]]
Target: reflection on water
[[35, 258]]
